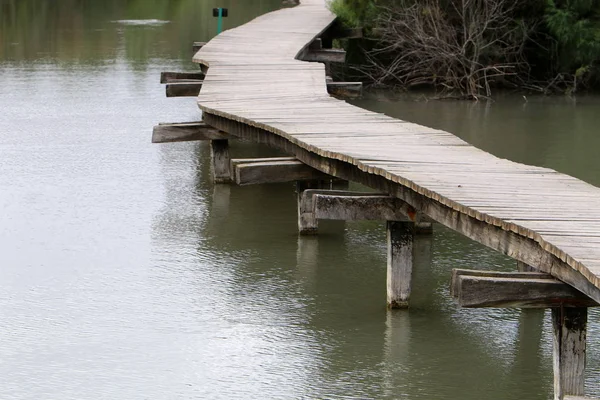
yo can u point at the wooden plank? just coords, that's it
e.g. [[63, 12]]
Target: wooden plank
[[458, 272], [183, 89], [185, 132], [167, 77], [520, 290], [570, 330], [347, 90], [325, 55], [357, 208], [274, 172]]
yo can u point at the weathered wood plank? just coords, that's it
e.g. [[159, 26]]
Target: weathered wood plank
[[348, 90], [185, 132], [520, 290], [356, 208], [279, 171], [569, 349], [167, 77], [307, 222], [183, 89], [458, 272], [325, 55]]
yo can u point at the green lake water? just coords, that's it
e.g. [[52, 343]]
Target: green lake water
[[126, 274]]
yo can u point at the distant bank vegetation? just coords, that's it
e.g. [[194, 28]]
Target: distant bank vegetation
[[466, 48]]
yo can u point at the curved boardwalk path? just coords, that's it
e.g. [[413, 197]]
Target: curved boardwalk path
[[255, 88]]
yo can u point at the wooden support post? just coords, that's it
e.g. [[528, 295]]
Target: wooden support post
[[400, 235], [570, 327], [220, 160], [307, 223]]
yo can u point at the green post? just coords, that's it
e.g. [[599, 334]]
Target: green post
[[220, 21]]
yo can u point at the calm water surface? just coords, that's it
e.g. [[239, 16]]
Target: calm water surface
[[126, 274]]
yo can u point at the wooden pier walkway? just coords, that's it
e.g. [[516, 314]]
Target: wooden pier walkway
[[257, 88]]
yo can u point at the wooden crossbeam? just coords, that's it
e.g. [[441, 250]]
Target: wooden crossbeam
[[192, 87], [514, 289], [168, 77], [185, 132], [196, 46], [273, 170], [349, 90], [307, 222], [183, 89], [361, 207], [325, 55]]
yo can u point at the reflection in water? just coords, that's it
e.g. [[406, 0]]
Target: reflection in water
[[127, 274]]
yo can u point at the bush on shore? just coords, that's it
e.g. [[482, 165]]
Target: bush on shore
[[467, 47]]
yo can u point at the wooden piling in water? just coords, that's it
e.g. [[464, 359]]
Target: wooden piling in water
[[569, 325], [219, 152], [400, 236]]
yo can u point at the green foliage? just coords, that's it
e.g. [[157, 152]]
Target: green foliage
[[575, 25], [355, 13]]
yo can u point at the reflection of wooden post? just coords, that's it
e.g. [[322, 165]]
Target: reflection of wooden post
[[220, 201], [570, 326], [307, 258], [399, 262], [220, 159]]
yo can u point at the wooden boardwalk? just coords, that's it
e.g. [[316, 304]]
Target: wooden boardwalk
[[256, 88]]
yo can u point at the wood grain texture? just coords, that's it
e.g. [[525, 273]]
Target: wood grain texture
[[400, 238], [357, 208], [516, 292], [257, 89], [569, 349], [279, 171]]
